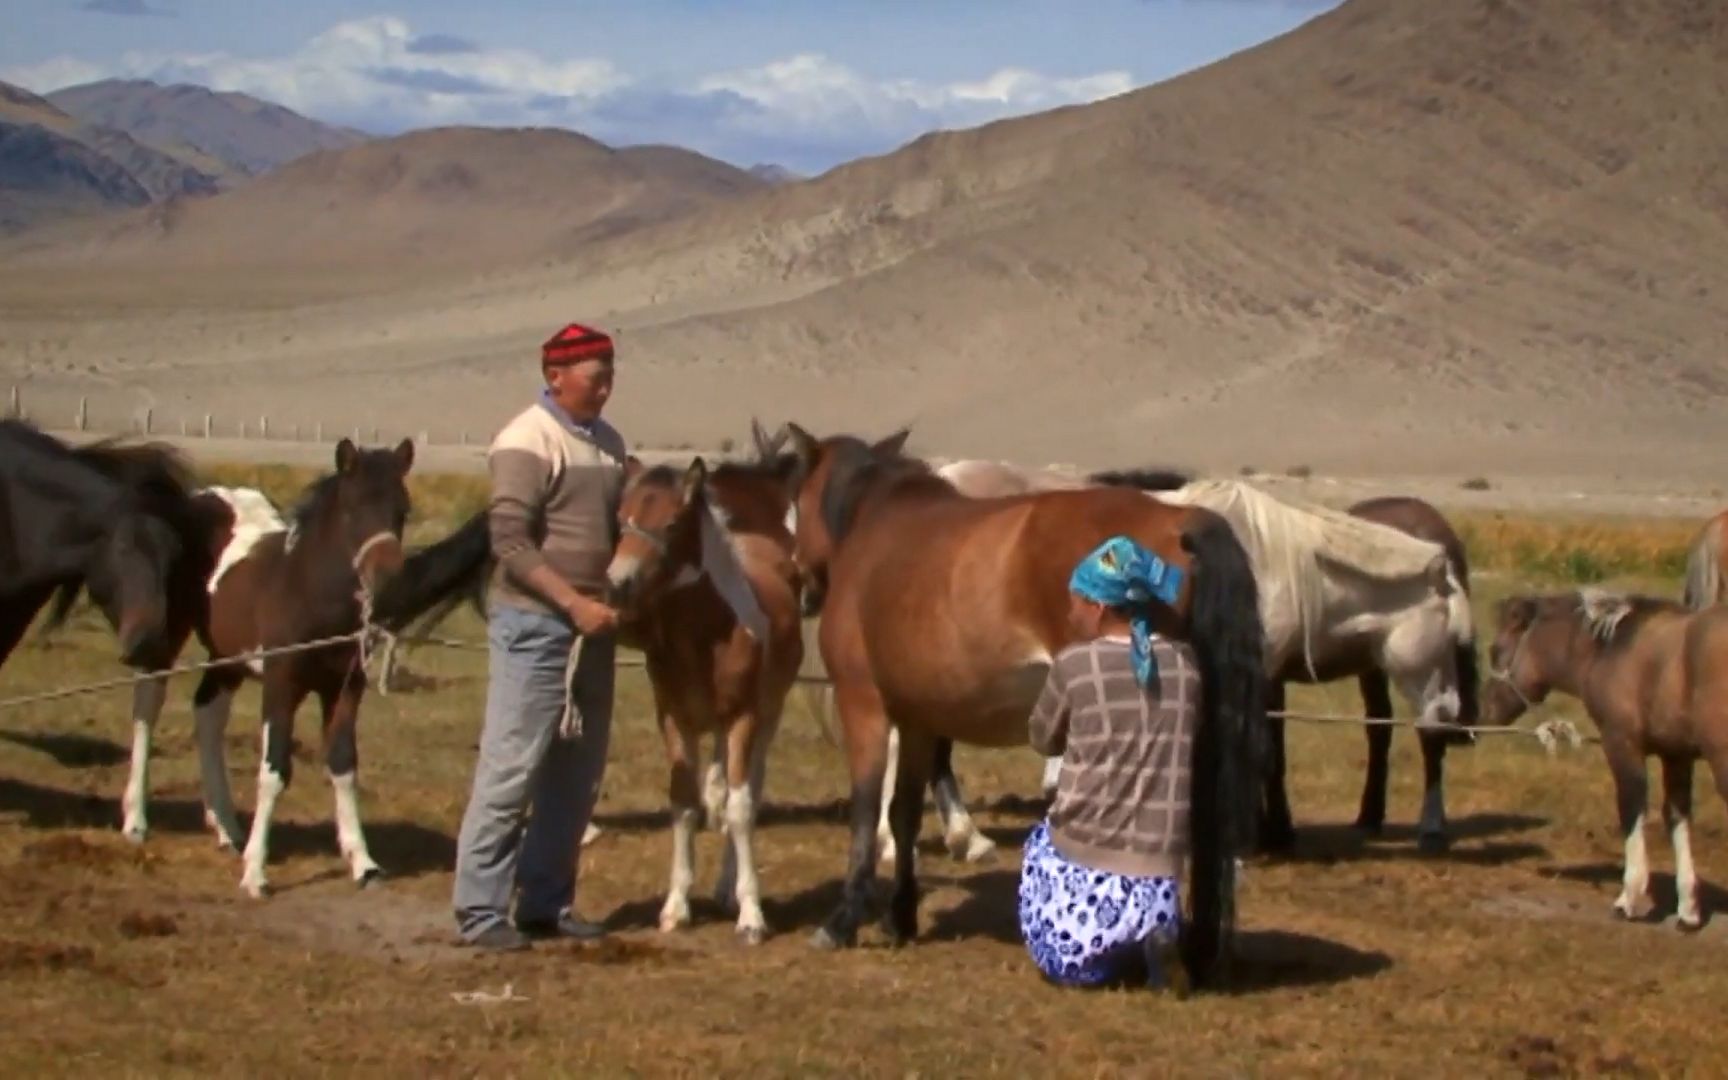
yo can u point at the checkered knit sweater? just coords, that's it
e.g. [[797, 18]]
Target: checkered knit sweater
[[1122, 799]]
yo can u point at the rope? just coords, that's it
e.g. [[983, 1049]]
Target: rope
[[1550, 733], [180, 669]]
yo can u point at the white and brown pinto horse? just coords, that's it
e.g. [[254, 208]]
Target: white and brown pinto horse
[[1653, 675], [705, 583], [941, 614]]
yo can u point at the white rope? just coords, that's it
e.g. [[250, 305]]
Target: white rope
[[1550, 733]]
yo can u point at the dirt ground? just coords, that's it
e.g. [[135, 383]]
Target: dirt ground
[[1499, 958]]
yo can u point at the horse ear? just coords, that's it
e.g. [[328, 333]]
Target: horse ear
[[803, 444], [405, 455], [695, 479], [1516, 612], [346, 454], [892, 445]]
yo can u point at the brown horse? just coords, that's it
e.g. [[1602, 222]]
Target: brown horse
[[1704, 578], [1653, 675], [704, 579], [941, 615]]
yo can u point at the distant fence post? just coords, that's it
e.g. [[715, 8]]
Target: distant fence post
[[242, 429], [149, 420], [374, 434], [318, 432], [17, 403], [207, 425], [263, 427], [425, 439], [185, 428], [83, 414], [464, 436], [296, 432]]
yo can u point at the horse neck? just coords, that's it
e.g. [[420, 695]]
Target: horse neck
[[1565, 652], [897, 488], [320, 559]]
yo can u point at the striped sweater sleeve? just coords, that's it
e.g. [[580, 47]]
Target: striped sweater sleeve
[[520, 482]]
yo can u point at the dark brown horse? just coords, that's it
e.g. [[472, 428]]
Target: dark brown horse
[[704, 580], [1653, 675], [111, 517], [941, 615]]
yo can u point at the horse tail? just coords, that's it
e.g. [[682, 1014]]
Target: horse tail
[[438, 578], [1229, 746], [1704, 567]]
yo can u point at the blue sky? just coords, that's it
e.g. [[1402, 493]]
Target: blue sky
[[803, 83]]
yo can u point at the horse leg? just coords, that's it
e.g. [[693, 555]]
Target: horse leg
[[1431, 835], [212, 704], [959, 832], [747, 766], [282, 698], [1376, 704], [342, 761], [1631, 793], [884, 835], [714, 786], [147, 699], [1677, 816], [1278, 833], [906, 814], [682, 753], [866, 728]]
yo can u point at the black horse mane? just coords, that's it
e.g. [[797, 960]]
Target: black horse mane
[[856, 468], [1148, 479]]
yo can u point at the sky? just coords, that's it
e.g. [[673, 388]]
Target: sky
[[806, 84]]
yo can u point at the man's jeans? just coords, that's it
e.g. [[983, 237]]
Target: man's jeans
[[522, 760]]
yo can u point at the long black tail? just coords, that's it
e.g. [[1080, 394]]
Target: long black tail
[[1229, 746], [439, 578]]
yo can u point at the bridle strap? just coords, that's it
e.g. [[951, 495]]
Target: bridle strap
[[1504, 674], [381, 537], [654, 538]]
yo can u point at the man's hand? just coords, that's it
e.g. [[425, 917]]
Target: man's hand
[[591, 616]]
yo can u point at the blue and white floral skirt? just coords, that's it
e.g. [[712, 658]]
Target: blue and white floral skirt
[[1087, 927]]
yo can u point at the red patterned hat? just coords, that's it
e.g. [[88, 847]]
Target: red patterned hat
[[574, 343]]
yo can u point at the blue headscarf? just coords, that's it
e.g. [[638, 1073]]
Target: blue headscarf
[[1120, 573]]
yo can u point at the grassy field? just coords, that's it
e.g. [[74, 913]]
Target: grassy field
[[1498, 958]]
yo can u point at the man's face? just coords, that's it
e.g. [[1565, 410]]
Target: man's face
[[581, 389]]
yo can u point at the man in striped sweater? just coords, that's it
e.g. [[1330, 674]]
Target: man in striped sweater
[[557, 473]]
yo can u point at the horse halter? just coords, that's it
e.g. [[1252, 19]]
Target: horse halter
[[1504, 674], [654, 538]]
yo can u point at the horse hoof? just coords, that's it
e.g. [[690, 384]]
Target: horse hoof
[[257, 890], [974, 849], [1433, 843], [1368, 827], [824, 940], [369, 878], [1688, 926], [752, 935]]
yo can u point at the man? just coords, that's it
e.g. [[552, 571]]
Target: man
[[557, 474]]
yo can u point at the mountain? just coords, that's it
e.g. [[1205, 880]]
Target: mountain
[[1481, 235], [454, 198], [56, 166], [230, 134], [774, 174]]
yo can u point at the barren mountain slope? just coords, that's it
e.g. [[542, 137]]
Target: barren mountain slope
[[1479, 235], [231, 134], [161, 175]]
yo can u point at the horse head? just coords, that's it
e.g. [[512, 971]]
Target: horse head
[[825, 486], [364, 505], [660, 538], [1418, 644]]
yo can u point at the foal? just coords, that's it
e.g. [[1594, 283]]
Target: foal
[[704, 579], [1653, 675]]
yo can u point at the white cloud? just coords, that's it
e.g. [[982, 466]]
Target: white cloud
[[806, 110]]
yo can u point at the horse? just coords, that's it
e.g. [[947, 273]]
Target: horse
[[941, 614], [1412, 517], [1653, 675], [1704, 578], [705, 585], [110, 516]]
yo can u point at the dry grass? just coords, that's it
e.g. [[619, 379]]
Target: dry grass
[[1362, 957]]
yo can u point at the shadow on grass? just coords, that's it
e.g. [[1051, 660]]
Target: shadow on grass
[[1664, 899], [1340, 842], [70, 750], [404, 849]]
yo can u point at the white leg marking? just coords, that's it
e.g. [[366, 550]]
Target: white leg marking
[[741, 824], [349, 836], [590, 834], [714, 788], [270, 788], [884, 835], [676, 911], [147, 698], [959, 832], [211, 721], [1433, 822], [1685, 873], [1637, 873]]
